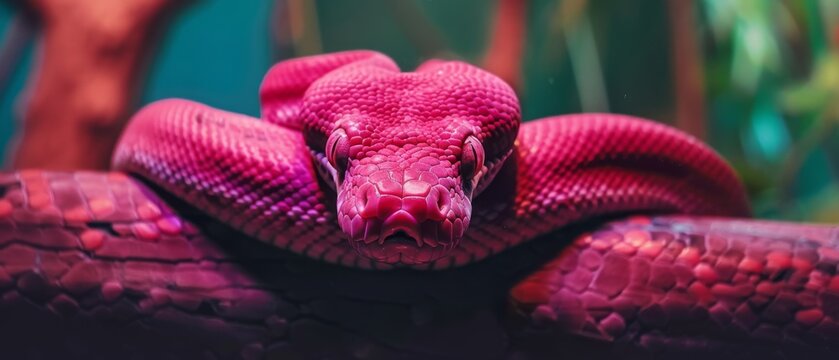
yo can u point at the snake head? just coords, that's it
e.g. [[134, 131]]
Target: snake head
[[406, 199], [407, 152]]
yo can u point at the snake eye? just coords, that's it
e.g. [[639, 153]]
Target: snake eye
[[338, 150], [472, 159]]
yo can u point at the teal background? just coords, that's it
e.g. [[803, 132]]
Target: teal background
[[216, 51], [770, 69]]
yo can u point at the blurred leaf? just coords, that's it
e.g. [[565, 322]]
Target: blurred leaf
[[822, 207], [721, 16], [755, 47], [767, 137], [814, 174], [818, 91], [585, 62]]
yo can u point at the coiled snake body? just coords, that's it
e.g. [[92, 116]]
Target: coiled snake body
[[407, 153], [357, 164]]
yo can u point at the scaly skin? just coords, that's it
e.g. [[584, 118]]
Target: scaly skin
[[102, 251], [403, 168], [95, 265]]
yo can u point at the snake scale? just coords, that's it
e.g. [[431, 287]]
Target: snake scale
[[357, 166]]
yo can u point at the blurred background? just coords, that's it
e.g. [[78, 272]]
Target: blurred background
[[758, 80]]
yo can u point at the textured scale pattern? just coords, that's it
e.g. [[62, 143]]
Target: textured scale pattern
[[286, 83], [578, 167], [95, 265], [404, 134], [269, 190], [100, 265], [709, 282]]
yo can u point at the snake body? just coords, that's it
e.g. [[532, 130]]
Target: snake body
[[403, 155], [104, 264]]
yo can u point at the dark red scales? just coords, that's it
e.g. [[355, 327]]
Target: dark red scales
[[511, 216]]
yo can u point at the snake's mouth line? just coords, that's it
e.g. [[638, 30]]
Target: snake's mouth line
[[400, 249], [404, 237], [404, 245], [405, 241]]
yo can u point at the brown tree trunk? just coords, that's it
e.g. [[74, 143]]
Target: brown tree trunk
[[92, 58], [506, 47], [96, 266], [687, 69]]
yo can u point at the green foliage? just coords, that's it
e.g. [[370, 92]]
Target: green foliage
[[769, 70], [772, 70]]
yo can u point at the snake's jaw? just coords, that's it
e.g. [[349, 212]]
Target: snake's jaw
[[406, 151], [415, 221]]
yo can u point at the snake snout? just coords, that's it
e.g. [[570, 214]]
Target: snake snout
[[409, 223]]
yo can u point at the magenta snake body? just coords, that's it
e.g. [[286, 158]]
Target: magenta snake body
[[407, 152], [359, 165]]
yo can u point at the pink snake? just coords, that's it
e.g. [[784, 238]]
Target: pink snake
[[429, 169], [357, 164]]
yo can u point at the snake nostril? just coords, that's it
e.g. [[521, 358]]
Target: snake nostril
[[362, 199], [443, 202], [365, 201], [439, 204]]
